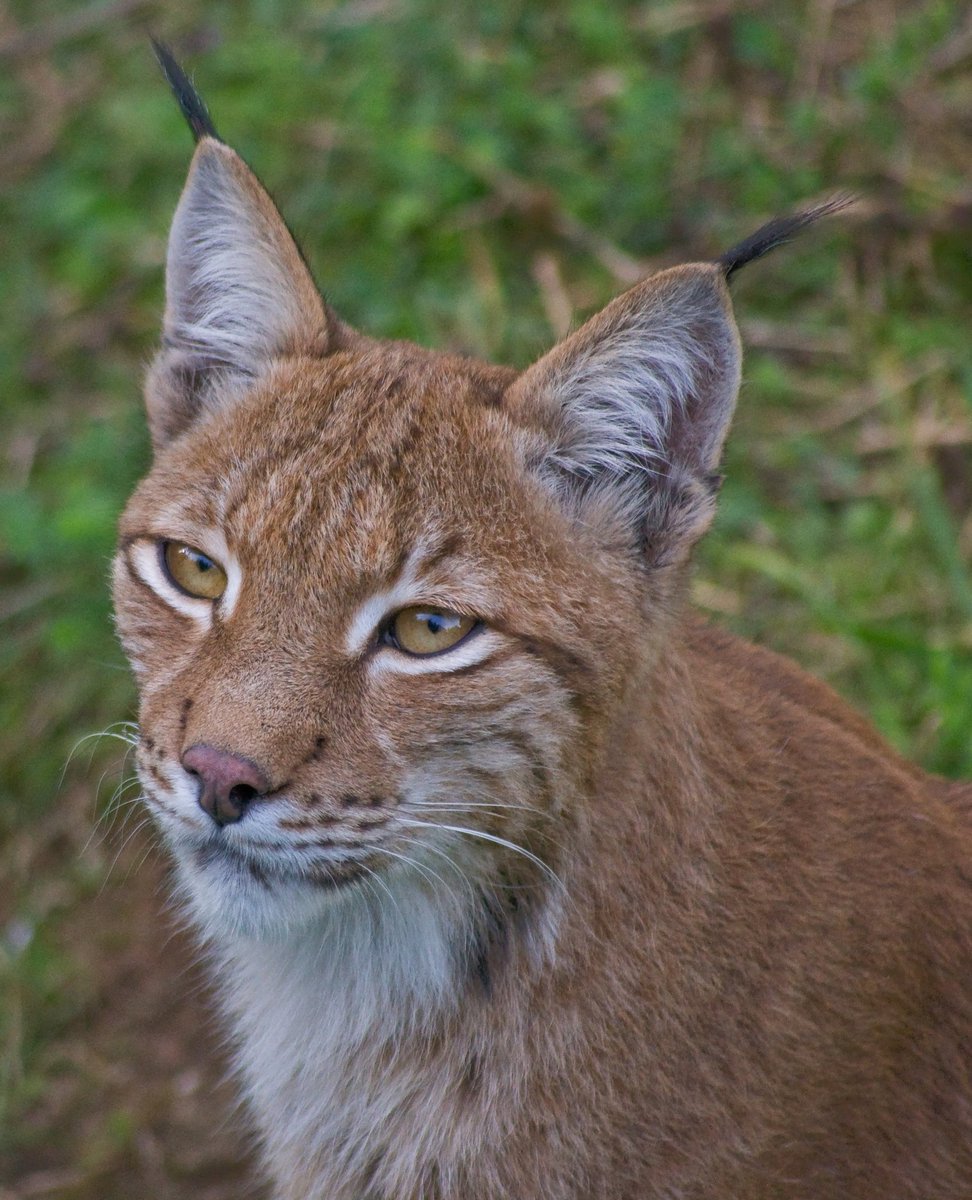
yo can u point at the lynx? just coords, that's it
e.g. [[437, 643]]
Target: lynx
[[519, 881]]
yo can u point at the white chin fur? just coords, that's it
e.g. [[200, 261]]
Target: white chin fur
[[226, 901]]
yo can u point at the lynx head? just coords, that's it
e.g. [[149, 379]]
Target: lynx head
[[384, 604]]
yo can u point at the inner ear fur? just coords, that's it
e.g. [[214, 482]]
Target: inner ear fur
[[633, 409], [238, 293]]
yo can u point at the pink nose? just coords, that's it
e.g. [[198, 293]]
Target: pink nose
[[227, 782]]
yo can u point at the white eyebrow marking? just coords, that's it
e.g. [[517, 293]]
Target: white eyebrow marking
[[365, 621], [472, 597], [404, 591], [214, 545]]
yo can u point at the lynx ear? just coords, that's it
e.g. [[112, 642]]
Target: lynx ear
[[634, 408], [238, 293]]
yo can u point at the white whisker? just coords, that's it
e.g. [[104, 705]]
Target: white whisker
[[373, 878], [459, 808], [105, 824], [130, 738], [464, 804], [101, 783], [146, 821], [426, 871], [154, 843], [490, 837]]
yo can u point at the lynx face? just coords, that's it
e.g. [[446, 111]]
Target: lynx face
[[382, 603], [331, 497]]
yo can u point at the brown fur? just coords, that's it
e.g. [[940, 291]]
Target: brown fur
[[755, 981]]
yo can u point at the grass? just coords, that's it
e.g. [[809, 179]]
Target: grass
[[477, 177]]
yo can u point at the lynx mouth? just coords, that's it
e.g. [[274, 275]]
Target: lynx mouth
[[329, 876]]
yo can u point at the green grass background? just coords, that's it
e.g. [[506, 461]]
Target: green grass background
[[476, 176]]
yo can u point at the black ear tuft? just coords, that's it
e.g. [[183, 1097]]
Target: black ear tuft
[[189, 99], [778, 231]]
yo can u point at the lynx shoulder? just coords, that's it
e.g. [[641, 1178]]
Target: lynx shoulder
[[520, 882]]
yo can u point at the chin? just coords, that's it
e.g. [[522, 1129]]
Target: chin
[[228, 899]]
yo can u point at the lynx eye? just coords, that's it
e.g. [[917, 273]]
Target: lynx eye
[[426, 629], [193, 572]]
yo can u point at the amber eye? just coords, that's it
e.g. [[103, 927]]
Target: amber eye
[[192, 571], [425, 629]]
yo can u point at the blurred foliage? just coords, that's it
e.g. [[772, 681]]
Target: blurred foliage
[[475, 176]]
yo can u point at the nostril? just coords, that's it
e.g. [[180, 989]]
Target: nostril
[[242, 794]]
